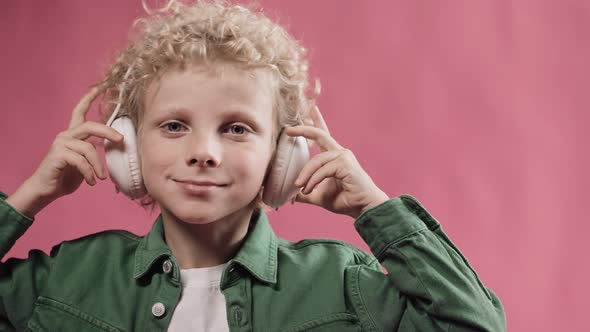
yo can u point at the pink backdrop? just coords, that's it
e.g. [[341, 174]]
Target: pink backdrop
[[477, 108]]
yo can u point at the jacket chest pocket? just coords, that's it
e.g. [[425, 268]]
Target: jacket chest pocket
[[50, 315], [341, 322]]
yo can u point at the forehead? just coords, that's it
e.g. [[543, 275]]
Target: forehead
[[212, 89]]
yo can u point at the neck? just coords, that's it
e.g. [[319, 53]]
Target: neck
[[205, 245]]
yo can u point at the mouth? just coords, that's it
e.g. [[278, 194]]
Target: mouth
[[201, 182], [199, 188]]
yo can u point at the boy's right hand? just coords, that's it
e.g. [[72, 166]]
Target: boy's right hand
[[71, 158]]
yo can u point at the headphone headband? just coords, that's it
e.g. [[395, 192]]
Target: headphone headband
[[120, 98]]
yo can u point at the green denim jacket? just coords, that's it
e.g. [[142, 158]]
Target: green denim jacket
[[118, 281]]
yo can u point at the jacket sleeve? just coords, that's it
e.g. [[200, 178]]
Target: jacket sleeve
[[20, 279], [430, 286]]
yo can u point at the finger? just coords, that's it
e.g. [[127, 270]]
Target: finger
[[88, 151], [321, 137], [327, 171], [314, 164], [318, 119], [309, 122], [76, 160], [301, 198], [79, 112], [314, 197], [91, 128]]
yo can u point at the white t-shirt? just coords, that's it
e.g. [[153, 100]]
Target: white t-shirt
[[202, 305]]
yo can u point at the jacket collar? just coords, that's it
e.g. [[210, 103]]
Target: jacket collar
[[258, 253]]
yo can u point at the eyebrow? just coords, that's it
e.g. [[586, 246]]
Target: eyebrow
[[234, 113]]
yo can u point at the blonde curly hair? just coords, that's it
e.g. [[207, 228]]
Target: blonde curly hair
[[177, 34]]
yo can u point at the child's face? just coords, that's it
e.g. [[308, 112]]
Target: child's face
[[205, 126]]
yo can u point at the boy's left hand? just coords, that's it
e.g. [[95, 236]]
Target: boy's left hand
[[333, 179]]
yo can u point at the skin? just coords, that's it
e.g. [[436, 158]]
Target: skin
[[70, 160], [334, 179], [202, 140]]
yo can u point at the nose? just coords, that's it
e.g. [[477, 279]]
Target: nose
[[203, 152], [203, 162]]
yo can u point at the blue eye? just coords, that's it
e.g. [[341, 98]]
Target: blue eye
[[176, 125], [240, 132]]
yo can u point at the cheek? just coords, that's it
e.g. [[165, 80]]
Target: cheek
[[249, 166], [153, 156]]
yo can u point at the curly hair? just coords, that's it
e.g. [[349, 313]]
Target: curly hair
[[178, 34]]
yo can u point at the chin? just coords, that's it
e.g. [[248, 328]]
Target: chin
[[198, 216], [202, 213], [205, 211]]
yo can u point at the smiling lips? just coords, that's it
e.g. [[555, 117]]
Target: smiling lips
[[199, 188], [201, 182]]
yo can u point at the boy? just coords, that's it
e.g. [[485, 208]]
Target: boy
[[210, 88]]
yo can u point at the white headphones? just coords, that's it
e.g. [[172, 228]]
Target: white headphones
[[125, 170]]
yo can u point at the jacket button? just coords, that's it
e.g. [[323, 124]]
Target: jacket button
[[158, 309], [238, 315], [167, 266]]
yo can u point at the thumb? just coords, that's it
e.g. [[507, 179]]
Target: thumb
[[301, 198]]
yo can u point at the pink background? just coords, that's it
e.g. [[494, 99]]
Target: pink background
[[477, 108]]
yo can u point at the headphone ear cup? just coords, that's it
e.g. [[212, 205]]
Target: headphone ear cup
[[123, 160], [291, 156]]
